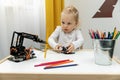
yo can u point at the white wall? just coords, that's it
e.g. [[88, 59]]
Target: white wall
[[21, 16]]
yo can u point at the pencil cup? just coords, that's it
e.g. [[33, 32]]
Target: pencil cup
[[103, 51]]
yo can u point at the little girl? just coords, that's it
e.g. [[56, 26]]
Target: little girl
[[67, 35]]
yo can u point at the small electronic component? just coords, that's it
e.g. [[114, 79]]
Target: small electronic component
[[64, 50]]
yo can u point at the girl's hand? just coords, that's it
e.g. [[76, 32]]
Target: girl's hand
[[70, 48], [57, 48]]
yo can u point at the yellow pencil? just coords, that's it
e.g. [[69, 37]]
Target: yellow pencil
[[115, 33], [45, 51]]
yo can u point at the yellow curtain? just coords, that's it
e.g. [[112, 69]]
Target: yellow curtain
[[53, 13]]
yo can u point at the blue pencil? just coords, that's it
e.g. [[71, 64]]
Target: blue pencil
[[69, 65]]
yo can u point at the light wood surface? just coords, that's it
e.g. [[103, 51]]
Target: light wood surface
[[58, 77]]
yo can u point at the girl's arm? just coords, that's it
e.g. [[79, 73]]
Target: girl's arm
[[52, 40], [80, 40]]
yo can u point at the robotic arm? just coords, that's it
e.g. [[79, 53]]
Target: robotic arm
[[22, 35], [18, 51]]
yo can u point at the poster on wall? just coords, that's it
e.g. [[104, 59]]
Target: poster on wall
[[106, 9]]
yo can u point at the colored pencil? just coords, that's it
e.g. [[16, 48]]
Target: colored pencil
[[69, 65], [45, 51], [115, 33], [49, 63], [60, 63]]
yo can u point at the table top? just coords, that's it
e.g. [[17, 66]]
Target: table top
[[84, 58]]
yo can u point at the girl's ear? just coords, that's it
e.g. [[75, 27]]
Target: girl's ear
[[78, 23]]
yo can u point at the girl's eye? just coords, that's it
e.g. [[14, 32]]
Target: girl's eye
[[69, 23], [63, 22]]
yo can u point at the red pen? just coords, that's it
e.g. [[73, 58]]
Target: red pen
[[49, 63]]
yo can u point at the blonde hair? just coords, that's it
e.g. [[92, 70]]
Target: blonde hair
[[71, 10]]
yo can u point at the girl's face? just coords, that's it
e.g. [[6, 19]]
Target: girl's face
[[68, 22]]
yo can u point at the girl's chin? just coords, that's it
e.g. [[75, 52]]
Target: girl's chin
[[66, 31]]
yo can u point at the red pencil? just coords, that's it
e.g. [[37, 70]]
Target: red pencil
[[49, 63]]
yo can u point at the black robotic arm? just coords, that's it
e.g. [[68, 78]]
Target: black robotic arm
[[18, 51]]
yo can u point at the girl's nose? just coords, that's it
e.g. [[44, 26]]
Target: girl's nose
[[65, 25]]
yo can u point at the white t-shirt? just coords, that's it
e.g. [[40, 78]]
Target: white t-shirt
[[59, 37]]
